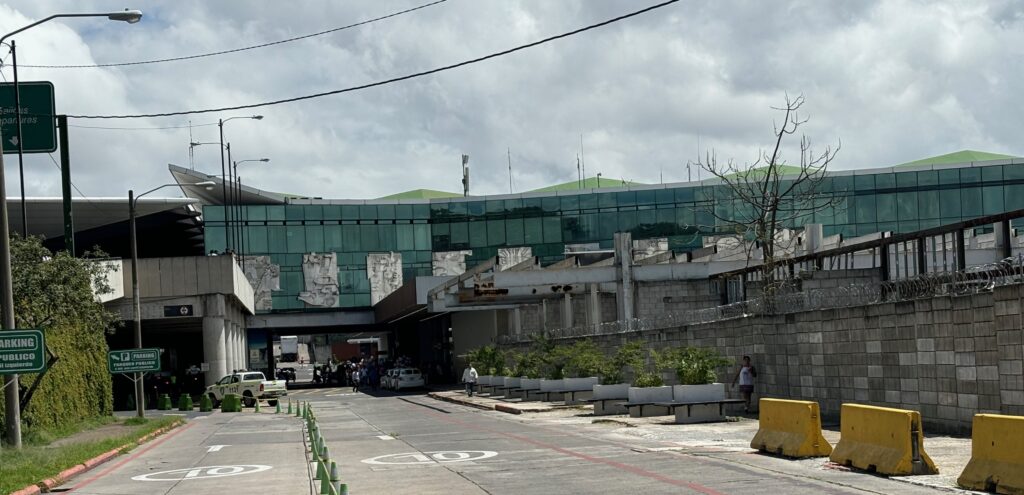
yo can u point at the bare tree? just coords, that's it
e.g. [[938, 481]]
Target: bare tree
[[770, 192]]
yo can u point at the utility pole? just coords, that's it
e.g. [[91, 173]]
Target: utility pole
[[12, 403], [510, 170], [465, 175]]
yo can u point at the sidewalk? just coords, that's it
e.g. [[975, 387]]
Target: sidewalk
[[728, 439]]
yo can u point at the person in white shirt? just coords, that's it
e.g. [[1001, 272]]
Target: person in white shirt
[[745, 376], [469, 378]]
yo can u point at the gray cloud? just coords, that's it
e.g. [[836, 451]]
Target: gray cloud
[[894, 80]]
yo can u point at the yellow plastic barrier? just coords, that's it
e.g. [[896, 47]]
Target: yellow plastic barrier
[[884, 440], [791, 428], [997, 455]]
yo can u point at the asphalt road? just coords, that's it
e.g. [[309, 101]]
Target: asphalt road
[[398, 444]]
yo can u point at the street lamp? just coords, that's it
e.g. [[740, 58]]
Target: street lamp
[[238, 204], [599, 180], [129, 16], [12, 409], [223, 166], [136, 305]]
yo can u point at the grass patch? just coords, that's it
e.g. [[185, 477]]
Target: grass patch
[[37, 460]]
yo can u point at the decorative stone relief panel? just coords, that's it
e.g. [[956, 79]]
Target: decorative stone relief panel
[[385, 273], [645, 248], [320, 277], [264, 277], [509, 257], [450, 263]]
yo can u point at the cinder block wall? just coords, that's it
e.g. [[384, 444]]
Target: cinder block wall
[[948, 357]]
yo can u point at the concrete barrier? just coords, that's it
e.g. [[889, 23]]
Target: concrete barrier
[[607, 394], [791, 428], [883, 440], [997, 455]]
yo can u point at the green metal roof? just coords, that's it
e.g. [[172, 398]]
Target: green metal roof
[[962, 156], [588, 183], [760, 171], [422, 194]]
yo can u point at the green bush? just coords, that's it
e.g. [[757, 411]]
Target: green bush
[[694, 365], [54, 293], [648, 379], [584, 359], [488, 360], [630, 355]]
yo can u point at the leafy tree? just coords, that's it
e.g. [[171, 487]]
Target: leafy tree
[[488, 359], [57, 294], [630, 355], [584, 359], [693, 365]]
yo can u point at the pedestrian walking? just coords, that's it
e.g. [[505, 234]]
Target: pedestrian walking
[[745, 376], [355, 380], [469, 377]]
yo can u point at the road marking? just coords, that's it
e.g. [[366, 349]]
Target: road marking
[[385, 437], [439, 457], [216, 448], [202, 472]]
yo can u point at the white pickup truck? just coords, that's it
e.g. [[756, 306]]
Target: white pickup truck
[[250, 385]]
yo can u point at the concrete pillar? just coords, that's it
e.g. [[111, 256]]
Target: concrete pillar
[[567, 311], [624, 260], [517, 321], [214, 348], [813, 235], [544, 314], [229, 346], [594, 307]]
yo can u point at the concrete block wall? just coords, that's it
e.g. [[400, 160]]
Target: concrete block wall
[[947, 357], [671, 296], [839, 278]]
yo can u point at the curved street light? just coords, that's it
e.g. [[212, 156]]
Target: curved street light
[[140, 402], [239, 216], [12, 409], [223, 170]]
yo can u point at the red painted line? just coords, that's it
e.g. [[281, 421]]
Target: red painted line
[[132, 456], [619, 465]]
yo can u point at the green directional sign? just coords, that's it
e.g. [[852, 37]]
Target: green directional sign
[[133, 360], [38, 126], [22, 351]]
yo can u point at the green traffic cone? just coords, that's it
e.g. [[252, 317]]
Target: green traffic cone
[[321, 471], [325, 486], [289, 407], [256, 408], [298, 410], [277, 409], [325, 453], [342, 489], [335, 475]]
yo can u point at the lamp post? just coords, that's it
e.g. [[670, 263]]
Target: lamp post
[[12, 409], [223, 166], [136, 305], [238, 204], [129, 16]]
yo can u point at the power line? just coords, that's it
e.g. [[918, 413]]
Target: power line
[[388, 81], [236, 50], [142, 128], [80, 193]]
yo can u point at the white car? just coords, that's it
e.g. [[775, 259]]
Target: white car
[[406, 378], [388, 380], [250, 385]]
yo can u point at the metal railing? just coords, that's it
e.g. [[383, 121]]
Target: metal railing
[[788, 298]]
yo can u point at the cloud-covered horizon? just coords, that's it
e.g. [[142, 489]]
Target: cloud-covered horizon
[[895, 81]]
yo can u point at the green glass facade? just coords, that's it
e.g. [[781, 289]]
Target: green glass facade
[[867, 202]]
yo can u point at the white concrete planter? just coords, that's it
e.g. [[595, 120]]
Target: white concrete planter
[[529, 383], [512, 381], [580, 383], [616, 391], [549, 385], [697, 393], [483, 380], [649, 394]]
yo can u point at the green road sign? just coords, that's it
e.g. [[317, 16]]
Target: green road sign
[[22, 351], [38, 128], [133, 360]]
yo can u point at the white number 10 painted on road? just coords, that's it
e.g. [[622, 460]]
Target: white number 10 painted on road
[[445, 456]]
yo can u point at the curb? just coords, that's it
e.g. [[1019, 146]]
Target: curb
[[461, 402], [507, 409], [49, 484]]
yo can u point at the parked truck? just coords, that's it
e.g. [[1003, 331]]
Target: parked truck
[[251, 386], [289, 348]]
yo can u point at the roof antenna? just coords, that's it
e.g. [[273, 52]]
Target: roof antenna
[[191, 149], [579, 175], [510, 170], [465, 175], [583, 161]]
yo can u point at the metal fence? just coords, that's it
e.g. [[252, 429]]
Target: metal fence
[[788, 298]]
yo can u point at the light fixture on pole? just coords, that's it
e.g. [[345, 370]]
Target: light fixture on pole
[[140, 401], [240, 216], [223, 167], [129, 16], [12, 409]]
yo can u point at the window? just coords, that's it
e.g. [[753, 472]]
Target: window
[[495, 232], [970, 202], [864, 209], [864, 182], [906, 206], [514, 234], [477, 234], [421, 236], [313, 212], [949, 203], [928, 178], [906, 179], [295, 238], [992, 198], [552, 229], [253, 376], [928, 204], [314, 238], [885, 207], [404, 238], [386, 212], [992, 174], [213, 213], [460, 234], [533, 231]]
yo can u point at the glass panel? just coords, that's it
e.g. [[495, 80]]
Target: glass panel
[[626, 198], [906, 179], [885, 206], [421, 236], [296, 235], [214, 238], [609, 223], [349, 212], [421, 212], [970, 175], [627, 221], [386, 236], [970, 202], [549, 205], [607, 200], [684, 218], [906, 206], [293, 212], [313, 212], [570, 203], [278, 237], [664, 196], [992, 173], [256, 213], [256, 240], [315, 238], [646, 197], [842, 184], [533, 231], [460, 208], [588, 201], [404, 240], [386, 212], [495, 206], [864, 182], [477, 234], [928, 178], [476, 208], [1013, 172], [438, 210], [552, 229], [495, 232], [332, 238], [864, 209], [684, 194], [368, 238], [1014, 197], [885, 181], [928, 204], [514, 231], [460, 233], [212, 213], [949, 203], [949, 176], [350, 238], [589, 228], [993, 199]]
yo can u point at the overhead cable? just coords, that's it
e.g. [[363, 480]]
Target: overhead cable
[[387, 81]]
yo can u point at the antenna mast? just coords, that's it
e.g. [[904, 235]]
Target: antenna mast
[[465, 175], [510, 170], [583, 161]]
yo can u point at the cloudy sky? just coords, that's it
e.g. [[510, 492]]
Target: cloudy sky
[[895, 81]]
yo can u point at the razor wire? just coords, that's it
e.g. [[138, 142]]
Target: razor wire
[[786, 297]]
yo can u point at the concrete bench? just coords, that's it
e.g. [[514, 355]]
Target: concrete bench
[[639, 409], [674, 406], [524, 393], [605, 407], [574, 396]]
